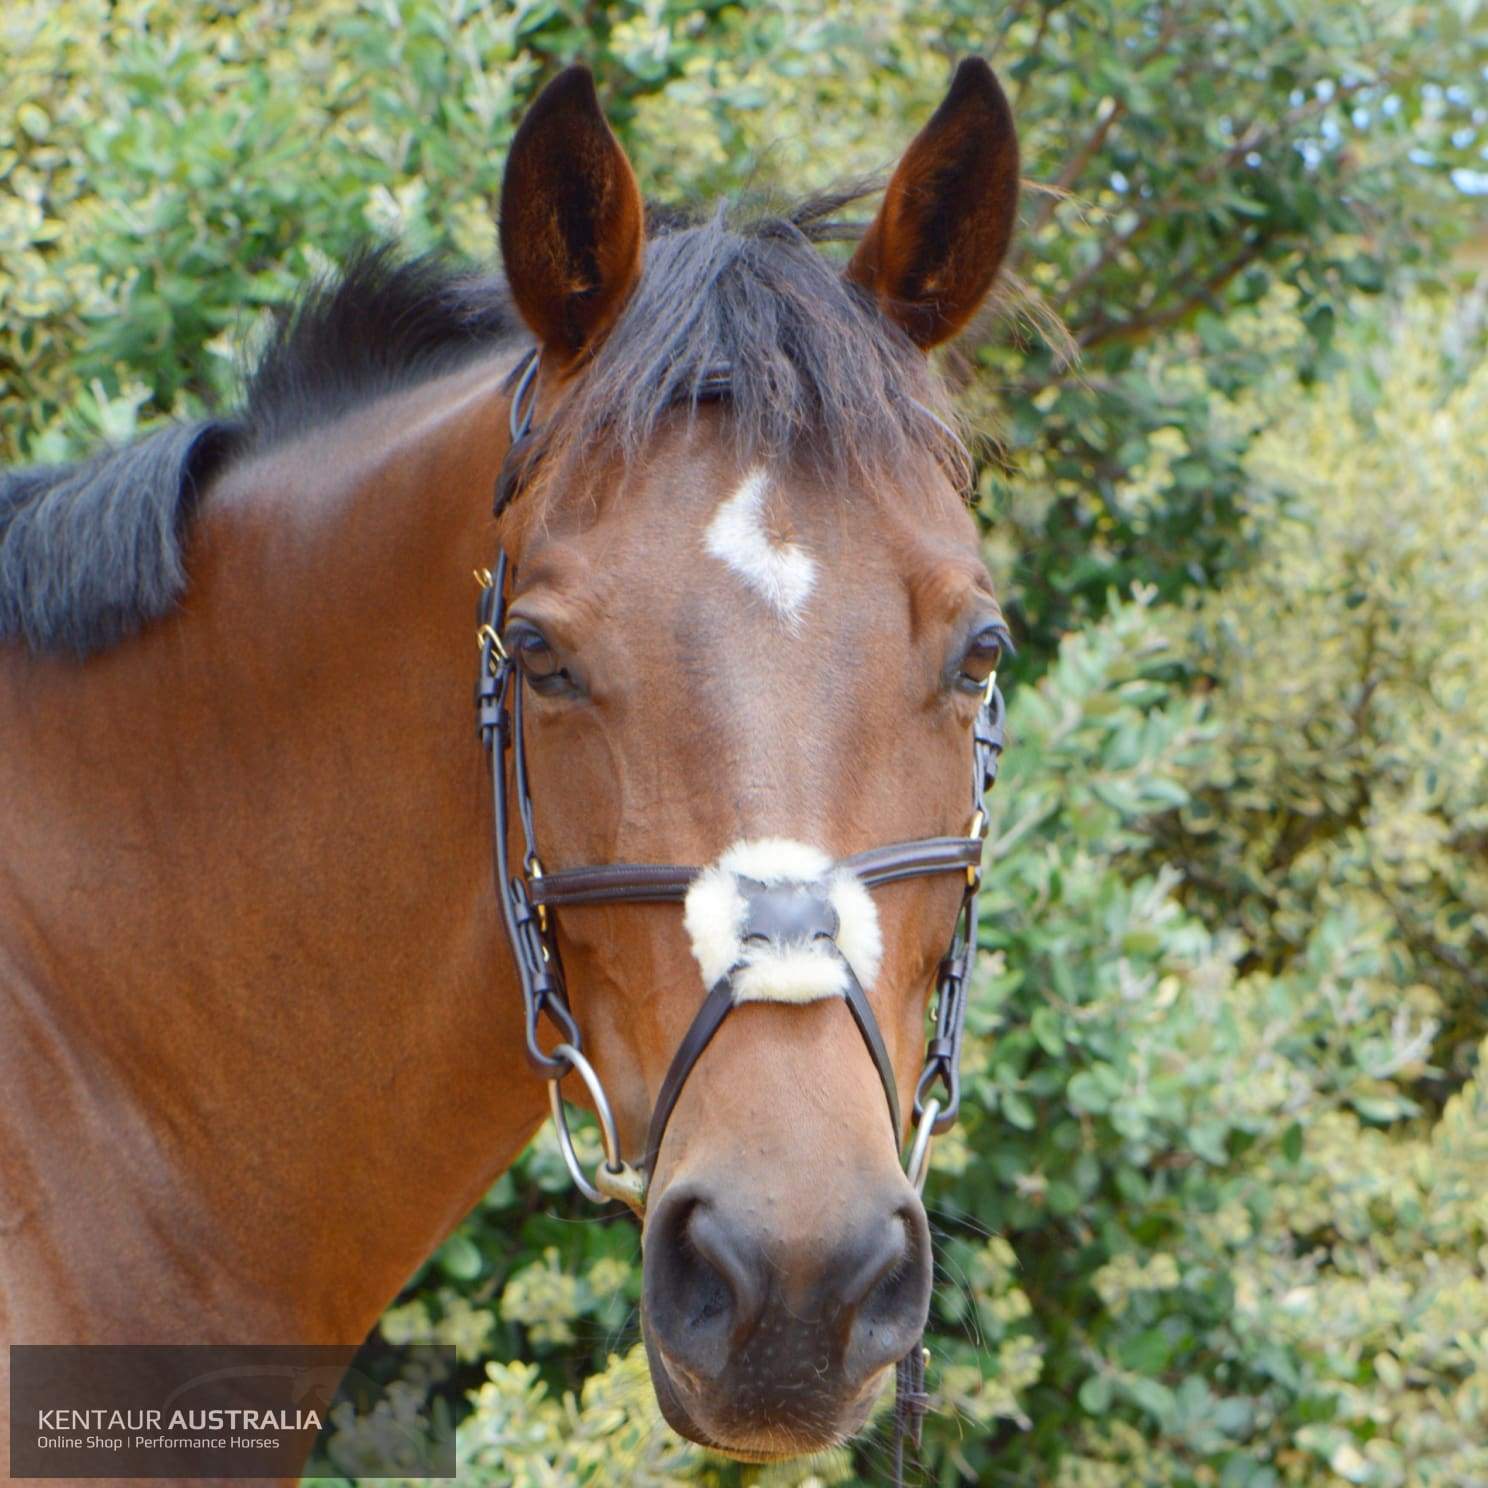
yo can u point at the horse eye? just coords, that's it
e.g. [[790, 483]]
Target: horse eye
[[537, 659], [981, 658]]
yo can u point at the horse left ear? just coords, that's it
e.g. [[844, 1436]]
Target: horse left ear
[[932, 252], [572, 218]]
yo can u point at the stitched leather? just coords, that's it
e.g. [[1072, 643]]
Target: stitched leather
[[606, 883], [899, 860], [710, 1016], [667, 883]]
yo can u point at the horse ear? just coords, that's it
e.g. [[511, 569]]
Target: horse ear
[[572, 219], [947, 217]]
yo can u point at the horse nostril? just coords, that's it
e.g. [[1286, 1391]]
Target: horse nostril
[[885, 1296], [736, 1318], [703, 1297], [715, 1248]]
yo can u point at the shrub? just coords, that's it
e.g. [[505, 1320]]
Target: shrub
[[1350, 682]]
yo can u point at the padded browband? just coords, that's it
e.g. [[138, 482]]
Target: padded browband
[[668, 883]]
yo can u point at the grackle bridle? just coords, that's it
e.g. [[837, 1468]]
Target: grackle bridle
[[530, 897]]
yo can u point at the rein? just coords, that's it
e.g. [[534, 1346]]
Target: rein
[[530, 897]]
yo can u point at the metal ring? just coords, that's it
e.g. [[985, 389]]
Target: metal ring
[[608, 1133], [917, 1168]]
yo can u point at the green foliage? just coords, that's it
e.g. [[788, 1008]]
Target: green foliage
[[1351, 681], [1215, 1214], [167, 171]]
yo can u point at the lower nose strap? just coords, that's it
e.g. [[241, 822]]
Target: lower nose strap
[[717, 1005]]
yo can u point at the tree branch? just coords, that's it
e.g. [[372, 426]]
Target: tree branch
[[1074, 167], [1252, 137], [1151, 319], [1033, 54]]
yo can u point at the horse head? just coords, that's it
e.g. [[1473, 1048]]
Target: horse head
[[741, 623]]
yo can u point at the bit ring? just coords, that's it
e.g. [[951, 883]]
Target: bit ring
[[623, 1181], [917, 1166]]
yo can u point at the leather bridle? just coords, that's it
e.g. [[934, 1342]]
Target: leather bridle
[[531, 896]]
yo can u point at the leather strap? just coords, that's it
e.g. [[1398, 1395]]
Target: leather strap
[[608, 883], [717, 1005], [862, 1012], [715, 1009], [924, 855], [667, 883]]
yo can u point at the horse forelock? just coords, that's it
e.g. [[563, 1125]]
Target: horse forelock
[[816, 377]]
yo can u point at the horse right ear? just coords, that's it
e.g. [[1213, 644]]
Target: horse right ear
[[572, 219], [931, 254]]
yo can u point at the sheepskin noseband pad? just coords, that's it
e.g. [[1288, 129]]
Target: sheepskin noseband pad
[[785, 921]]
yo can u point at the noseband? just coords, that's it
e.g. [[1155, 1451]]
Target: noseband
[[792, 915]]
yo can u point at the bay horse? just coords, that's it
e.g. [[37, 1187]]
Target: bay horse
[[263, 1022]]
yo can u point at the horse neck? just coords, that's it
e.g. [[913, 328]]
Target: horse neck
[[259, 971]]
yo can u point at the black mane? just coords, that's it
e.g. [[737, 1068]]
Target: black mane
[[91, 552], [381, 326]]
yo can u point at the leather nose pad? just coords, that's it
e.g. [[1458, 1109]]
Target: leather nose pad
[[787, 913]]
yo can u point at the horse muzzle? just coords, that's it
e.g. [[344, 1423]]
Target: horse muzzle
[[760, 1347]]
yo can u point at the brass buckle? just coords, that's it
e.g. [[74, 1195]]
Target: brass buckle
[[978, 830], [534, 870], [488, 633]]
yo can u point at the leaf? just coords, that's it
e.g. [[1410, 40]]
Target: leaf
[[1120, 795], [1291, 1142], [1095, 1395], [1147, 1353], [1153, 1397], [1207, 1138], [1047, 1027], [1084, 1093], [460, 1258], [1018, 1110]]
